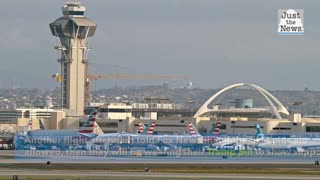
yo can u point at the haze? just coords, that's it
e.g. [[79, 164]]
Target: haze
[[216, 43]]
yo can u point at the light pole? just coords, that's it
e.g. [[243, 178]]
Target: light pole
[[233, 122], [296, 105]]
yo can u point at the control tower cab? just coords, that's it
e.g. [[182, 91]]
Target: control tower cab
[[73, 9], [73, 31]]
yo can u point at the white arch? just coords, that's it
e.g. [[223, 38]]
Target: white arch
[[204, 108]]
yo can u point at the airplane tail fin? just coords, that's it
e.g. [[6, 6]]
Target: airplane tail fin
[[41, 125], [29, 125], [27, 128], [193, 130], [216, 131], [150, 129], [142, 127], [259, 133], [89, 124], [97, 129], [212, 129]]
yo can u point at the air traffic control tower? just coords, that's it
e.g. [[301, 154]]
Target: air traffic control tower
[[73, 30]]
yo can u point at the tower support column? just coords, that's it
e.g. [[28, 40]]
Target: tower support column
[[73, 30]]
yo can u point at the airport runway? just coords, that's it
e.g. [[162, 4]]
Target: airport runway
[[112, 167], [143, 175], [169, 161], [160, 165], [160, 162], [7, 153]]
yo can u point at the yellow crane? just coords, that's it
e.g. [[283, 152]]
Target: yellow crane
[[58, 77], [117, 75]]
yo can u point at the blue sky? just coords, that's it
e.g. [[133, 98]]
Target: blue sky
[[216, 43]]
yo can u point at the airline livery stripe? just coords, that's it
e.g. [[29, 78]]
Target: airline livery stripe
[[217, 130], [191, 129], [90, 123], [86, 131]]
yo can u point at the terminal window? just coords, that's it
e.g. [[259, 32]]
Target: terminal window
[[281, 128], [313, 129]]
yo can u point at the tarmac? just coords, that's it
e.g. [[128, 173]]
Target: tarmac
[[119, 166], [144, 175]]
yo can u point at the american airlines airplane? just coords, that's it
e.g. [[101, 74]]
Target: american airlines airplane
[[192, 138], [147, 141], [212, 136], [172, 142], [59, 138], [108, 141]]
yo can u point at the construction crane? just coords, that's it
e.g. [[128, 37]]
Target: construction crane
[[58, 77], [117, 75]]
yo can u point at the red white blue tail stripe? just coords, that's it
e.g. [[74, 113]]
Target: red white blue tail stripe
[[91, 121], [29, 125], [216, 130], [141, 127], [151, 129], [193, 130]]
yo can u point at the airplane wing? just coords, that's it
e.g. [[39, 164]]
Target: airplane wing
[[88, 135]]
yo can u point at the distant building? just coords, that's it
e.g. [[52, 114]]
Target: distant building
[[11, 116]]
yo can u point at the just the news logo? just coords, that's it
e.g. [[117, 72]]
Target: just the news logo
[[290, 22]]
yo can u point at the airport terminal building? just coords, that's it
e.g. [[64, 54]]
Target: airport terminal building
[[172, 118]]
